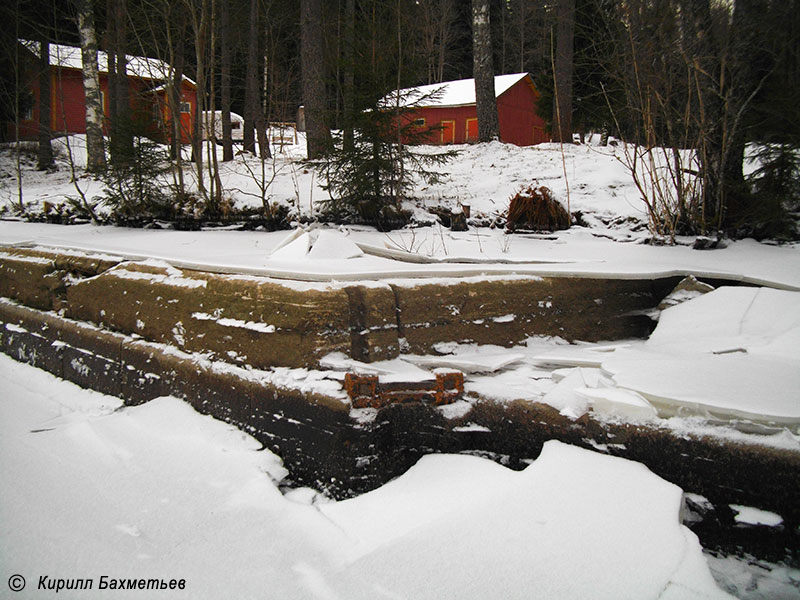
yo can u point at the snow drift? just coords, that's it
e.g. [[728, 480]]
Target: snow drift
[[159, 491]]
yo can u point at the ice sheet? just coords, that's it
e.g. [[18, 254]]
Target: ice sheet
[[477, 362], [730, 353]]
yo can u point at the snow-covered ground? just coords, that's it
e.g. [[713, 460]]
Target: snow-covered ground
[[158, 490], [588, 178], [93, 489], [447, 254]]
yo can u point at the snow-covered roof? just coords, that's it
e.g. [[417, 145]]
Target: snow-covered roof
[[450, 93], [139, 66], [218, 115]]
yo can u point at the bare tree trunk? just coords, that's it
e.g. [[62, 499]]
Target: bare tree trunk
[[120, 132], [397, 186], [261, 133], [260, 99], [96, 157], [216, 180], [123, 98], [562, 72], [483, 71], [348, 88], [313, 71], [20, 207], [745, 81], [503, 36], [45, 157], [521, 16], [446, 18], [704, 52], [176, 95], [225, 80], [251, 82], [111, 59], [200, 32], [427, 41]]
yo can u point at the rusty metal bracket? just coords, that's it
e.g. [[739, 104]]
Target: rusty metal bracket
[[366, 391]]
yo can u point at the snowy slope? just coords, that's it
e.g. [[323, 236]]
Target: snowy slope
[[588, 178]]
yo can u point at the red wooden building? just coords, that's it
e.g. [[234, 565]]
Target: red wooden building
[[449, 107], [146, 77]]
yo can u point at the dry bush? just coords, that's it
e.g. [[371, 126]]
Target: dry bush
[[534, 208]]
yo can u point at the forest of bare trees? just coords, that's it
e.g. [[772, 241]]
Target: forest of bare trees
[[667, 76]]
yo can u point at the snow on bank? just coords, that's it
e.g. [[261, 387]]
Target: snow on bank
[[477, 253], [483, 176], [158, 491]]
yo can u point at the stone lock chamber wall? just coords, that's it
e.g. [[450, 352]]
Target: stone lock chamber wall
[[143, 330], [266, 323]]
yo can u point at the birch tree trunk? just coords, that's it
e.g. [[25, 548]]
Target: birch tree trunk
[[483, 72], [96, 158]]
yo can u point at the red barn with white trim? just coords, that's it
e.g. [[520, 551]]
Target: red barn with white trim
[[449, 107], [146, 77]]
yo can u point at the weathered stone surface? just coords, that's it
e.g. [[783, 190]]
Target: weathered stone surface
[[688, 288], [263, 323], [31, 336], [34, 349], [240, 320], [65, 260], [505, 312], [83, 266], [90, 338], [91, 370], [37, 278], [35, 321], [141, 373], [373, 323], [31, 280]]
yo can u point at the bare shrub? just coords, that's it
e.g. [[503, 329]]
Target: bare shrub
[[534, 208]]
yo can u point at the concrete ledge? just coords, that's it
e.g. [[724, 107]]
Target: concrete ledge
[[303, 428]]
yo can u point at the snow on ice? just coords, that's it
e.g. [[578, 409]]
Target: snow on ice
[[158, 490], [731, 352]]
